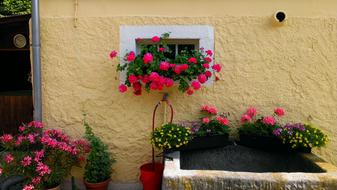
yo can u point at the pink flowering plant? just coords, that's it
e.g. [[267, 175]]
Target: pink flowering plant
[[43, 157], [153, 70], [212, 122], [257, 125]]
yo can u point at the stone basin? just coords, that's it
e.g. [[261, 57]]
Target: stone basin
[[241, 168]]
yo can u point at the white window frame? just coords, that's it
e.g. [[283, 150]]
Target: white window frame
[[129, 34]]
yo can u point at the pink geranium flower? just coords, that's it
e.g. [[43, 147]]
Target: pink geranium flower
[[205, 65], [1, 170], [21, 128], [202, 78], [161, 49], [131, 56], [251, 112], [113, 54], [164, 66], [42, 169], [268, 120], [208, 59], [196, 85], [122, 88], [208, 73], [36, 180], [279, 112], [132, 79], [192, 60], [209, 52], [154, 76], [216, 67], [155, 39], [205, 120], [138, 40], [189, 91], [169, 82], [148, 58], [222, 120], [245, 118]]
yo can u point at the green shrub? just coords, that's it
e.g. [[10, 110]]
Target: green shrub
[[99, 161], [15, 7]]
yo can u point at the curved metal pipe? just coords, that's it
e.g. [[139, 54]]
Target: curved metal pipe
[[37, 98]]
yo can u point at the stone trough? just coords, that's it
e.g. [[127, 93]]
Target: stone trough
[[241, 168]]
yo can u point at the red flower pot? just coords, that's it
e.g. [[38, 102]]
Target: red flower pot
[[150, 175], [97, 186]]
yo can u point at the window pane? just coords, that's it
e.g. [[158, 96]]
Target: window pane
[[171, 52], [186, 47]]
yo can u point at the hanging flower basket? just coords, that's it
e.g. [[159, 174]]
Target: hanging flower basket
[[153, 70]]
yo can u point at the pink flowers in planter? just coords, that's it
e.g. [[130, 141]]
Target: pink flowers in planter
[[188, 71], [267, 120]]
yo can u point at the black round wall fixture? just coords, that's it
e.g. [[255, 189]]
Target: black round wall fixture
[[280, 16]]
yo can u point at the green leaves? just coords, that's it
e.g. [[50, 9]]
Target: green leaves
[[15, 7]]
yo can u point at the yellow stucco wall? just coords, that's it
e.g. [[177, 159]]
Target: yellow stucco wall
[[293, 66]]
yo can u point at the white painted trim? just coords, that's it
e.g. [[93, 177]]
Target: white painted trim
[[129, 33]]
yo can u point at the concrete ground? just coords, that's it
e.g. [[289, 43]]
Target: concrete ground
[[112, 186]]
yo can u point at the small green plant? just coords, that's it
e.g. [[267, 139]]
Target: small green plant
[[301, 135], [170, 136], [15, 7], [99, 161]]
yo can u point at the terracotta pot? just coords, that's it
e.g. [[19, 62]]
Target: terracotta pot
[[97, 186], [55, 188]]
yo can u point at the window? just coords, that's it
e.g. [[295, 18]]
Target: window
[[182, 37]]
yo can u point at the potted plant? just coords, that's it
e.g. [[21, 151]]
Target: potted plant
[[210, 132], [43, 157], [170, 137], [152, 69], [300, 137], [98, 168], [257, 131]]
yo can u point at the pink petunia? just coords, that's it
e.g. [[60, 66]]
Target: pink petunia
[[196, 85], [209, 52], [251, 112], [113, 54], [245, 118], [131, 56], [192, 60], [147, 58], [202, 78], [268, 120], [205, 120], [122, 88], [279, 112], [216, 67], [164, 66], [132, 79], [208, 59], [155, 39]]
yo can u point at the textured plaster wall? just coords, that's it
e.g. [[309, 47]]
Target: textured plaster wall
[[293, 66]]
